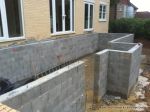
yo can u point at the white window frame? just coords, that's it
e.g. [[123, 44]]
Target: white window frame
[[63, 16], [103, 19], [5, 36], [89, 2]]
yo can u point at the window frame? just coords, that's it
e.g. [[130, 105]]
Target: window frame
[[6, 36], [72, 20], [89, 2], [103, 19]]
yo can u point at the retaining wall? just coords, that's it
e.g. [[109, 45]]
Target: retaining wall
[[61, 91], [24, 61], [123, 62], [100, 77], [120, 62], [106, 38]]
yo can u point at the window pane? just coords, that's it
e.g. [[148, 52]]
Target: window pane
[[100, 12], [67, 12], [104, 15], [58, 15], [51, 16], [14, 19], [91, 16], [100, 8], [72, 15], [104, 8], [1, 28], [86, 17]]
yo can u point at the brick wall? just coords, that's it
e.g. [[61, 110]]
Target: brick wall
[[36, 18]]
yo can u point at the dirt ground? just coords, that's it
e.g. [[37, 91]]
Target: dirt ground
[[115, 103]]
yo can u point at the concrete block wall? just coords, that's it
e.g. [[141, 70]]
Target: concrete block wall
[[119, 73], [100, 76], [106, 38], [25, 61], [123, 58], [121, 46], [28, 60], [124, 39], [135, 65], [60, 91]]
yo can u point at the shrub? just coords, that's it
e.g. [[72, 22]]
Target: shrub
[[141, 28], [147, 29]]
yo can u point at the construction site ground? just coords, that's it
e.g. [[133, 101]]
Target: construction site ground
[[139, 99]]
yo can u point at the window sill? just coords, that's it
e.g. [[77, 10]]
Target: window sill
[[62, 33], [88, 30], [3, 39], [102, 20]]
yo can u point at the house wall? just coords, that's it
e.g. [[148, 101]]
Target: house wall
[[123, 11], [38, 26], [101, 26], [37, 19], [120, 11]]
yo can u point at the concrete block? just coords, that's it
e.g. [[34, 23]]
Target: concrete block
[[100, 76]]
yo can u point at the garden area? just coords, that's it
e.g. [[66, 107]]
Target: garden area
[[139, 27]]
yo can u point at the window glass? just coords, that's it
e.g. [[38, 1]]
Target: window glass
[[91, 16], [51, 16], [72, 15], [58, 15], [86, 16], [1, 27], [14, 19], [67, 12]]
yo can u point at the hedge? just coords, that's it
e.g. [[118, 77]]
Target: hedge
[[140, 27]]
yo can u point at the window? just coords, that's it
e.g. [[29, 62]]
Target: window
[[62, 14], [1, 27], [102, 12], [10, 19], [88, 16]]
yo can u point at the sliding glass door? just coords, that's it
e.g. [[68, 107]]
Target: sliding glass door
[[61, 13]]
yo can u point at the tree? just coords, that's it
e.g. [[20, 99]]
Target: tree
[[113, 2]]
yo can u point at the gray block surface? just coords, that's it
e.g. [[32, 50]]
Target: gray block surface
[[61, 91]]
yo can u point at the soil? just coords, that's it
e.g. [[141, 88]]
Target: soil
[[116, 104], [146, 45]]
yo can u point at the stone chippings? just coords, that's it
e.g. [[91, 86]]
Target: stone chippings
[[4, 108], [61, 91]]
